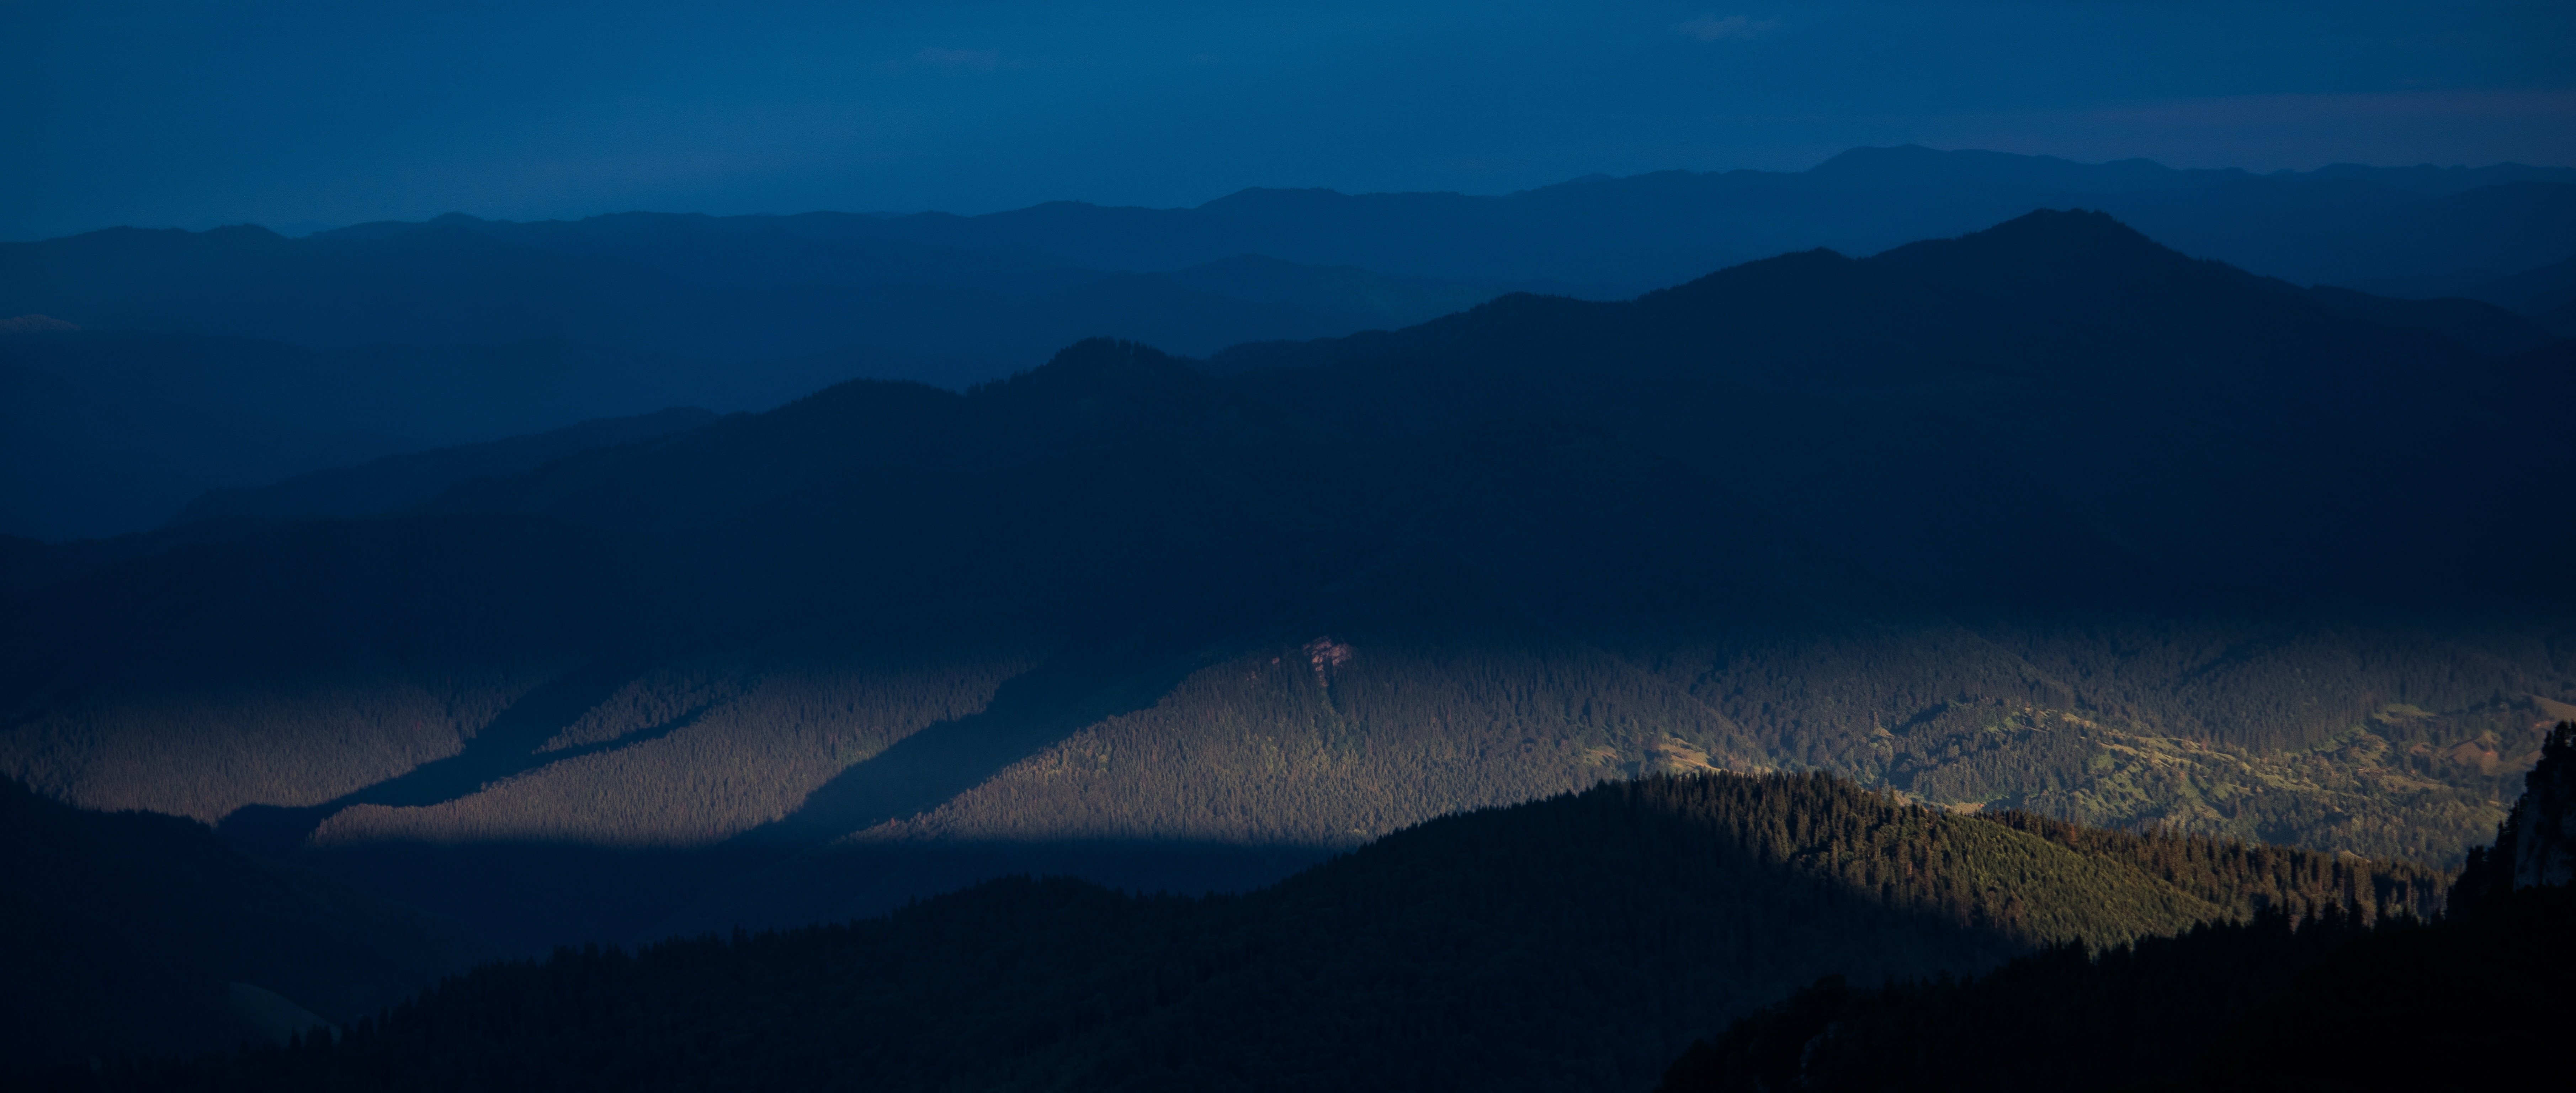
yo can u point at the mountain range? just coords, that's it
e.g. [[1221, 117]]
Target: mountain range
[[2048, 516], [296, 355]]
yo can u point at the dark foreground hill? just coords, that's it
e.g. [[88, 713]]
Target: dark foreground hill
[[1566, 944], [2330, 1002], [2274, 1004], [133, 933], [2047, 516]]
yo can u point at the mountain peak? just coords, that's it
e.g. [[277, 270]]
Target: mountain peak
[[2046, 251], [2069, 227]]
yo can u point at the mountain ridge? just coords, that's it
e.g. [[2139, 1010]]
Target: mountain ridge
[[1587, 932], [745, 312], [1918, 518]]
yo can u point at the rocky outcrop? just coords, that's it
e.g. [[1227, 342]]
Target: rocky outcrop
[[2543, 827], [2535, 846]]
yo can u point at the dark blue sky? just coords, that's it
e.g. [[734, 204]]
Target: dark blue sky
[[308, 115]]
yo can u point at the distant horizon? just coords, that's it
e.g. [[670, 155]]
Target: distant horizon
[[293, 230], [300, 114]]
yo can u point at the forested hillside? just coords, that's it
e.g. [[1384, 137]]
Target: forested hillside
[[2046, 517], [1572, 943], [2320, 1000]]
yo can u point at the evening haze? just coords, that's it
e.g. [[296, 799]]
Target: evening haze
[[304, 116]]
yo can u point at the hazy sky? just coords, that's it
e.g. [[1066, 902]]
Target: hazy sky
[[301, 115]]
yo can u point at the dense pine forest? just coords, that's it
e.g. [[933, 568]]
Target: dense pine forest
[[1571, 943], [1560, 945], [2322, 1000]]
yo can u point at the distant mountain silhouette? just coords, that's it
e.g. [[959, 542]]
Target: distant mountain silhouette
[[2473, 323], [729, 290], [2046, 515], [410, 480], [1014, 285], [746, 312], [106, 433], [2545, 295]]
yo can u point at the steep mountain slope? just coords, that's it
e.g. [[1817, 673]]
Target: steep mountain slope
[[1563, 944], [2047, 515]]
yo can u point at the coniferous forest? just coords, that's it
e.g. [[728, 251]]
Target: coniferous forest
[[1104, 549], [1572, 942], [2328, 1000]]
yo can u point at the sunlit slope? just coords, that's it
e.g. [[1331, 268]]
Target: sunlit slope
[[2046, 514]]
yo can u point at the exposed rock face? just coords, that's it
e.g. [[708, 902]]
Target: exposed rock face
[[1326, 654], [2535, 846], [2543, 828]]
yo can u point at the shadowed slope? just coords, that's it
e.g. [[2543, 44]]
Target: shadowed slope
[[126, 928], [1563, 944], [2047, 514]]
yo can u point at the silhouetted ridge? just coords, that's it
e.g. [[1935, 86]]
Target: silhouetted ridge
[[1562, 944], [2134, 559], [2053, 255]]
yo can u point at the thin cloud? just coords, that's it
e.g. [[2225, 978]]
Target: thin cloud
[[1711, 28]]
